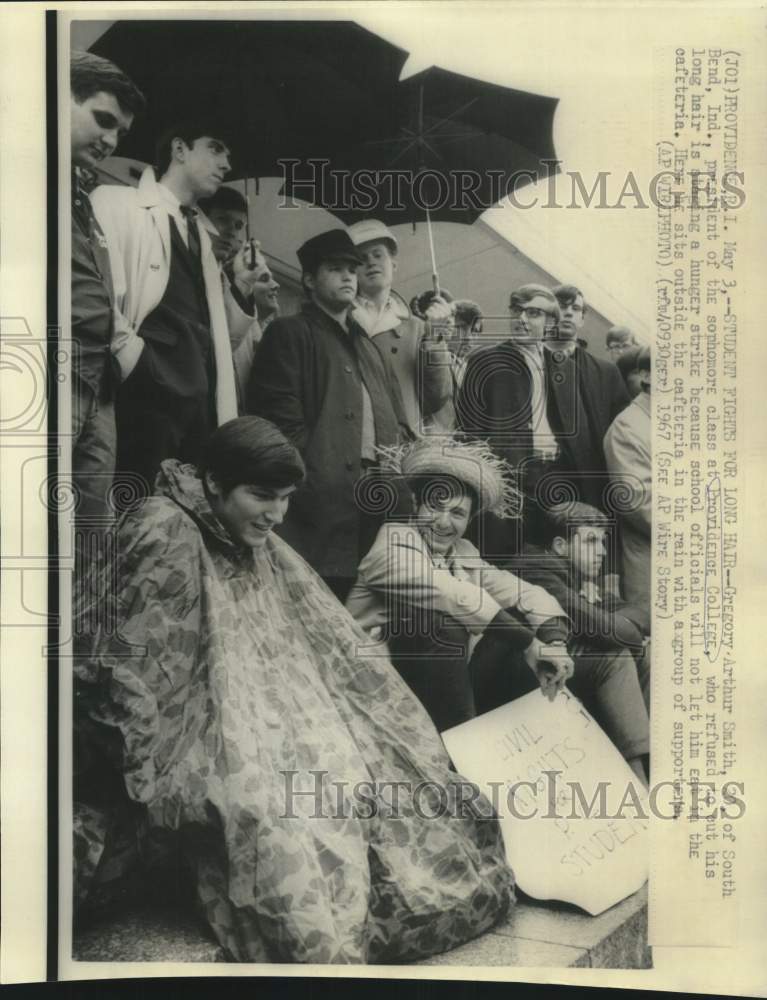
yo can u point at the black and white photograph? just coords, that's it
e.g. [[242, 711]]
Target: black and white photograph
[[394, 493]]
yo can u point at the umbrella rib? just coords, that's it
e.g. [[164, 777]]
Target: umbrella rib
[[458, 111]]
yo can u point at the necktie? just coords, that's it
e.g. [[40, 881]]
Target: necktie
[[193, 233]]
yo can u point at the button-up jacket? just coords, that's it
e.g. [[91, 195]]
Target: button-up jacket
[[306, 380], [421, 364]]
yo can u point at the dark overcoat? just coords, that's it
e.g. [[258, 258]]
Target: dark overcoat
[[306, 379], [584, 394]]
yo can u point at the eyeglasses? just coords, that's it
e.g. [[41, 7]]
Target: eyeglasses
[[530, 312]]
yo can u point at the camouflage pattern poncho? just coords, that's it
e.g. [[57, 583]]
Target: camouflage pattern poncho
[[234, 683]]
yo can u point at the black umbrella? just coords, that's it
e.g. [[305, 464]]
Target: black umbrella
[[275, 89], [446, 147], [320, 103]]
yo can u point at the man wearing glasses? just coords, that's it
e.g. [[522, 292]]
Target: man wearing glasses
[[530, 404]]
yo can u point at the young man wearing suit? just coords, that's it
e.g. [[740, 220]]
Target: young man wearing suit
[[172, 343], [544, 410]]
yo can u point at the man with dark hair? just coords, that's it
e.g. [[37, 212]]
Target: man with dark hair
[[572, 313], [610, 636], [249, 289], [228, 211], [603, 393], [174, 349], [577, 535], [322, 381], [103, 103]]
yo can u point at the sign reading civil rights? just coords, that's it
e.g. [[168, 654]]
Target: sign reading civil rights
[[573, 815]]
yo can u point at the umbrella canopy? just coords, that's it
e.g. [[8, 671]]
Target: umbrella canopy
[[328, 92], [445, 147], [275, 89], [320, 103]]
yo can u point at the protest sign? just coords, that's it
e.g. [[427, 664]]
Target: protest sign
[[574, 817]]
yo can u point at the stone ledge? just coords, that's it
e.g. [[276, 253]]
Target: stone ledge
[[616, 938], [556, 934], [551, 935]]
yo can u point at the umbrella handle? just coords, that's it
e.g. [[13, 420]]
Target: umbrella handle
[[434, 274]]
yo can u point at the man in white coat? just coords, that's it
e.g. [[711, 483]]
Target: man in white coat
[[172, 338], [426, 591], [628, 453]]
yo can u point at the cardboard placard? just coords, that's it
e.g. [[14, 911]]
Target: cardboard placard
[[574, 818]]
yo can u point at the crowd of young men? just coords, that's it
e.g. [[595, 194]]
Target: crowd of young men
[[176, 330]]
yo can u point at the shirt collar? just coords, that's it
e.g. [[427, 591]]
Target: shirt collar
[[394, 312], [169, 199]]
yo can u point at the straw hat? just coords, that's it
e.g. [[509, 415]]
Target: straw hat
[[472, 464]]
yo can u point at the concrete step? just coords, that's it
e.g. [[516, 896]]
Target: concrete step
[[559, 935], [535, 934]]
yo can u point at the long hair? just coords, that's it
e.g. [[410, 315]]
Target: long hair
[[251, 450]]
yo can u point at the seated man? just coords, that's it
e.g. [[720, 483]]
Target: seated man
[[604, 627], [425, 589], [230, 681]]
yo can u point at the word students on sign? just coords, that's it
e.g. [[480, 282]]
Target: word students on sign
[[556, 757]]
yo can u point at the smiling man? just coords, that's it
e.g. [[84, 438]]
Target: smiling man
[[321, 380], [103, 104], [425, 590], [543, 410], [172, 345]]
